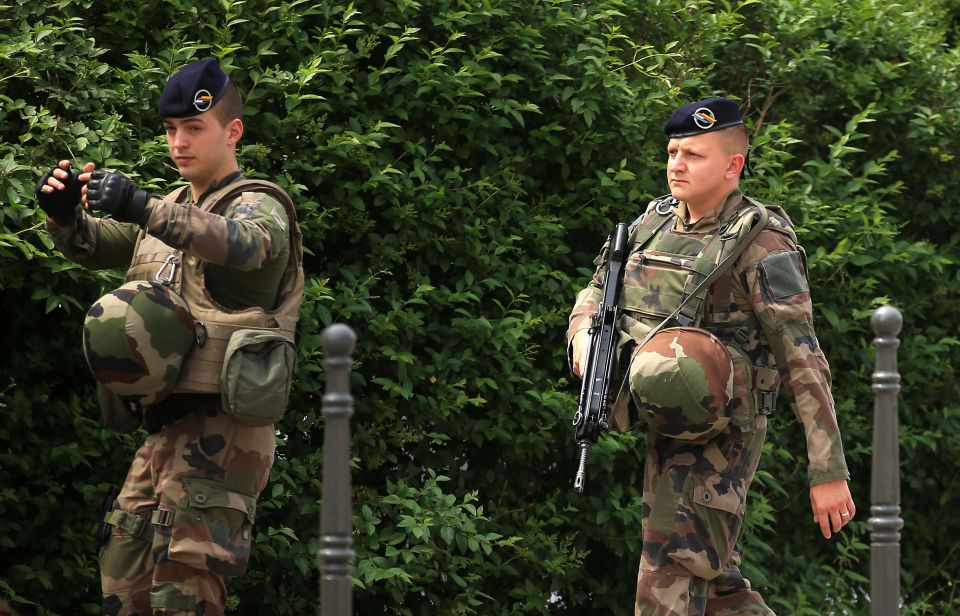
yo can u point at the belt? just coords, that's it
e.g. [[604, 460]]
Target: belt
[[175, 407]]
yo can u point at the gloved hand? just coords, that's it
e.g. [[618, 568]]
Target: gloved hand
[[61, 203], [117, 195]]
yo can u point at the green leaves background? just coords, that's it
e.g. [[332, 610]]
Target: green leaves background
[[456, 166]]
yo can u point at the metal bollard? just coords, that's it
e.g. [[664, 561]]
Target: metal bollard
[[885, 521], [336, 521]]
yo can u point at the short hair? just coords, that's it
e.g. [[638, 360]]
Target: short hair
[[736, 139], [230, 106]]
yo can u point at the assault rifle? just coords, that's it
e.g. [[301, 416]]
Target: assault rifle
[[593, 411]]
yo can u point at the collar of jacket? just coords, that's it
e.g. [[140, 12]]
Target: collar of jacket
[[713, 219], [229, 179]]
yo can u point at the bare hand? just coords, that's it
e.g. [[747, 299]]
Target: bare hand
[[581, 344], [85, 177], [832, 505], [58, 175], [62, 172]]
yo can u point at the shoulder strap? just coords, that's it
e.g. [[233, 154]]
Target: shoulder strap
[[177, 193], [251, 185], [708, 267], [776, 211], [647, 225]]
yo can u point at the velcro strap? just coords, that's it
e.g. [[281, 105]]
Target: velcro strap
[[223, 331], [133, 524], [689, 311]]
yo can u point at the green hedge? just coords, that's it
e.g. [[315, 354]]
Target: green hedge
[[456, 166]]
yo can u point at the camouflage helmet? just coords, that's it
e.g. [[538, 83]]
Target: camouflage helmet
[[135, 338], [681, 381]]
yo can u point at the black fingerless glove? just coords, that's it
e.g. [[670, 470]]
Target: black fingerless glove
[[60, 205], [117, 195]]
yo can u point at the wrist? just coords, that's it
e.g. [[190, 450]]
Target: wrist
[[139, 208], [63, 217], [820, 477]]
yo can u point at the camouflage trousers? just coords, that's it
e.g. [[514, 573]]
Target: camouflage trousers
[[694, 496], [183, 519]]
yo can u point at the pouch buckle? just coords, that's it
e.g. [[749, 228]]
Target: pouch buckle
[[161, 517], [768, 401]]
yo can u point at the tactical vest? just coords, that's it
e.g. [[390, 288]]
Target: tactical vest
[[664, 268], [185, 274]]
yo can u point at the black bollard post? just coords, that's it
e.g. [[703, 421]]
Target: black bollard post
[[336, 523], [885, 521]]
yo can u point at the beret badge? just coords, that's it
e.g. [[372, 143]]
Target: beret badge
[[704, 118], [202, 100]]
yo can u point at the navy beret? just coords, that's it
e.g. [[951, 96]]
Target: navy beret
[[702, 117], [194, 89]]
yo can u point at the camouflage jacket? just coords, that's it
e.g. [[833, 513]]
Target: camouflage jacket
[[251, 240], [763, 300]]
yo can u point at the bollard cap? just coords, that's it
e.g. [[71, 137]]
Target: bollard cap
[[338, 340], [886, 321]]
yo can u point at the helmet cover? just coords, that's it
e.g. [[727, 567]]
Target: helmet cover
[[681, 380], [135, 339]]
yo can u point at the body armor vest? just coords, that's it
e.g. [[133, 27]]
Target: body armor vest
[[663, 269], [184, 274]]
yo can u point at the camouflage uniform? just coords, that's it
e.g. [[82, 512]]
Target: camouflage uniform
[[183, 520], [695, 488]]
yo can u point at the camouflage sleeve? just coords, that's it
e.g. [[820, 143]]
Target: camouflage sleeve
[[773, 271], [245, 237], [97, 243], [588, 299]]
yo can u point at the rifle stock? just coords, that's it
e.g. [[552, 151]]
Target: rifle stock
[[593, 410]]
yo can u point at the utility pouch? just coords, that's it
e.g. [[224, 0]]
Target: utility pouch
[[258, 368], [211, 529], [115, 413]]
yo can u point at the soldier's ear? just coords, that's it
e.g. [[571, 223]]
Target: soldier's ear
[[734, 166], [234, 130]]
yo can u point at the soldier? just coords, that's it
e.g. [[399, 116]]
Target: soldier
[[213, 286], [724, 280]]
